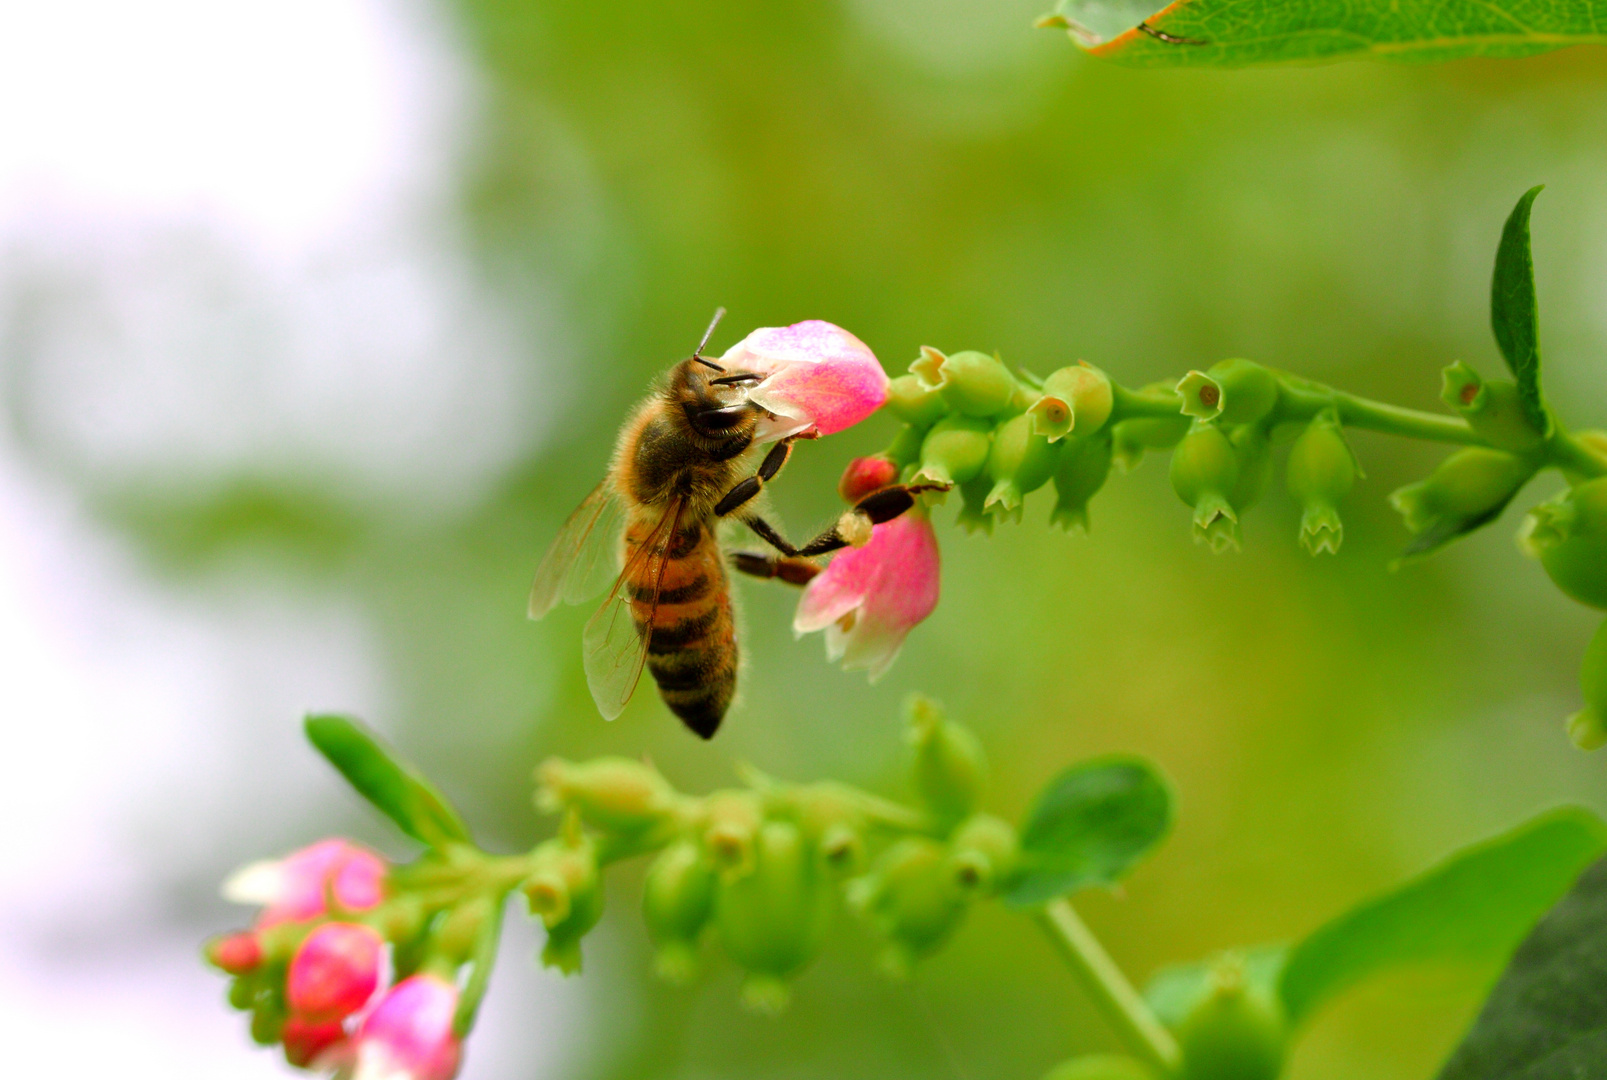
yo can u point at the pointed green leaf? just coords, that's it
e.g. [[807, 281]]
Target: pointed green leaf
[[1174, 991], [397, 789], [1089, 826], [1547, 1016], [1236, 33], [1515, 311], [1472, 908]]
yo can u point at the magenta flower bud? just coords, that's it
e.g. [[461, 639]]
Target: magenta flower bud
[[298, 887], [870, 597], [309, 1045], [816, 375], [865, 475], [237, 954], [334, 972], [409, 1035]]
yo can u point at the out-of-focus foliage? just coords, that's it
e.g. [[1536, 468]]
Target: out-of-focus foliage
[[1233, 33], [1330, 728]]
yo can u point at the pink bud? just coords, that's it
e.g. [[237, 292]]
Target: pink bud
[[297, 887], [409, 1035], [235, 953], [335, 971], [870, 597], [865, 475], [816, 374], [307, 1042]]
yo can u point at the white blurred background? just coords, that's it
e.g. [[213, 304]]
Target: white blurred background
[[225, 246]]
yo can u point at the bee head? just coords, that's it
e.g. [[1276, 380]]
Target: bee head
[[714, 401]]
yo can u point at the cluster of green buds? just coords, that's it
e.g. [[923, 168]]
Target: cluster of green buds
[[998, 436], [763, 869]]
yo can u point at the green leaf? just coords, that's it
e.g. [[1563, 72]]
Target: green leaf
[[399, 791], [1089, 826], [1515, 312], [1237, 33], [1547, 1016], [1472, 908], [1174, 991]]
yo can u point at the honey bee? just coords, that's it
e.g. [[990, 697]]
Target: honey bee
[[683, 462]]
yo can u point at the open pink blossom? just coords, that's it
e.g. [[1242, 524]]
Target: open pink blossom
[[298, 886], [816, 374], [335, 971], [870, 597], [409, 1035]]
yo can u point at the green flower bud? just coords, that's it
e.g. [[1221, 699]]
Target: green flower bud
[[1594, 441], [1205, 472], [833, 821], [1077, 398], [974, 512], [677, 903], [1568, 534], [243, 991], [612, 793], [905, 449], [1320, 471], [956, 449], [983, 854], [912, 900], [1469, 489], [268, 1014], [773, 921], [1235, 1033], [1102, 1067], [731, 821], [1020, 462], [1254, 451], [1233, 391], [915, 402], [950, 769], [1084, 466], [972, 383], [1493, 409], [565, 890], [1588, 726], [1130, 438]]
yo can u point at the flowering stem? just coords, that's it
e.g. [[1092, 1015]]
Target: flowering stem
[[1569, 452], [1104, 981]]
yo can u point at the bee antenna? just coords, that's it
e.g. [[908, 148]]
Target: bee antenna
[[697, 353]]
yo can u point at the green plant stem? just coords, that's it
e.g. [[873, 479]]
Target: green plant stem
[[1568, 452], [1123, 1007]]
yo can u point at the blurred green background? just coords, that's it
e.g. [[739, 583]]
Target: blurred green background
[[939, 173]]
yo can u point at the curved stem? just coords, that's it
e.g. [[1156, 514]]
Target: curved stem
[[1123, 1007], [1569, 452]]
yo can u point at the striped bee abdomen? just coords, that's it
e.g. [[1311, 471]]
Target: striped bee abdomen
[[693, 650]]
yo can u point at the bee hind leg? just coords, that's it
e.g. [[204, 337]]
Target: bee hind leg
[[789, 568]]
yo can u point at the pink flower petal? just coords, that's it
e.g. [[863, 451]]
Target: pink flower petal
[[409, 1036], [815, 374], [870, 598], [334, 972]]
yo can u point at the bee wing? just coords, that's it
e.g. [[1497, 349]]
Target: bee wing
[[615, 649], [579, 563]]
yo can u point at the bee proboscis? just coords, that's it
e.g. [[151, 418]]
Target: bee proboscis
[[683, 462]]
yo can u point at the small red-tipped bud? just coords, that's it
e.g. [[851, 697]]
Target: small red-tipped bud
[[1494, 409], [335, 972], [236, 954], [306, 1042], [865, 475]]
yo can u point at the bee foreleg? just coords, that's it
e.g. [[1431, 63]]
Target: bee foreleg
[[792, 570], [745, 489]]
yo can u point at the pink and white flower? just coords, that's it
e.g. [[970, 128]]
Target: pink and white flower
[[298, 886], [816, 375], [409, 1035], [334, 972], [870, 597]]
